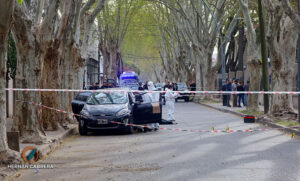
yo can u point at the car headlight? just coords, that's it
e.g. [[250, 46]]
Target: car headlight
[[123, 112], [85, 114]]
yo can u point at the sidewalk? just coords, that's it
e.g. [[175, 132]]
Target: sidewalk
[[54, 139], [262, 119], [233, 110]]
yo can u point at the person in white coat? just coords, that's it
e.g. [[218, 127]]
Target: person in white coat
[[153, 96], [170, 102]]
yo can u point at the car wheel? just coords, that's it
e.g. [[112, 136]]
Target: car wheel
[[83, 131], [129, 129]]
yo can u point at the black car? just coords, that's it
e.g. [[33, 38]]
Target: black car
[[99, 110], [185, 96]]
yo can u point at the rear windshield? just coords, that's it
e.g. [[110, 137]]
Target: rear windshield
[[101, 98]]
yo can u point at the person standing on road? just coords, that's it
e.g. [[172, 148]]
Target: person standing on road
[[146, 86], [229, 89], [246, 88], [240, 88], [97, 86], [155, 95], [166, 85], [141, 87], [193, 88], [224, 96], [92, 87], [170, 102]]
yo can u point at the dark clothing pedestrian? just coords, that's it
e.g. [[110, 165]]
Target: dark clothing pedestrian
[[145, 87], [240, 88], [141, 88], [224, 96], [193, 86], [241, 97], [228, 88]]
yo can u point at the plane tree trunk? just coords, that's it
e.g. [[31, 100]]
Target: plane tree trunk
[[7, 156], [253, 58], [282, 39]]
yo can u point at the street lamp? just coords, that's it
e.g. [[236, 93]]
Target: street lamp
[[298, 56]]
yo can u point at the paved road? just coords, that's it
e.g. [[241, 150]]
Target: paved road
[[170, 155]]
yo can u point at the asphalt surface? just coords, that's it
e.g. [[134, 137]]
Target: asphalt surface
[[174, 155]]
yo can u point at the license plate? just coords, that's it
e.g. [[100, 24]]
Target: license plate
[[102, 121]]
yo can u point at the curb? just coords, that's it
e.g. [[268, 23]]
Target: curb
[[44, 150], [223, 110], [267, 122]]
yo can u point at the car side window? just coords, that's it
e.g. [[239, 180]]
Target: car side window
[[82, 97]]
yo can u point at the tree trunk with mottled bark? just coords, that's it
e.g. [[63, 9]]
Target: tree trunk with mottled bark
[[7, 156], [253, 58], [282, 39]]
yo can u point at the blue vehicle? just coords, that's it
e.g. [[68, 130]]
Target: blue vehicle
[[130, 80]]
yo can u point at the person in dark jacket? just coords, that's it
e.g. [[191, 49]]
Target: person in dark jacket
[[193, 88], [146, 86], [141, 88], [92, 87], [240, 88], [166, 85], [224, 96], [229, 88], [97, 86]]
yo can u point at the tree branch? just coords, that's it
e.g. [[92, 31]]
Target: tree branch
[[291, 13]]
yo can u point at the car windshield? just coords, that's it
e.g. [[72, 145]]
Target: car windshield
[[181, 86], [101, 98]]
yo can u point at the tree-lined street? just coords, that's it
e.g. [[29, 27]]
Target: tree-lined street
[[127, 66], [174, 155]]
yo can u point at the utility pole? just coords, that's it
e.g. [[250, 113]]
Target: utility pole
[[298, 56], [265, 74]]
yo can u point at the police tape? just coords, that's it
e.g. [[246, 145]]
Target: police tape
[[154, 91], [212, 129]]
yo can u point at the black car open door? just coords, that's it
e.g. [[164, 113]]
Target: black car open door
[[145, 113]]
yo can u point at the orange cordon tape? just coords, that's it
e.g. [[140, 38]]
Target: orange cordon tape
[[137, 91], [212, 130]]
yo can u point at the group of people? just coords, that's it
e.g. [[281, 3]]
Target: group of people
[[95, 86], [167, 84], [155, 96], [235, 85]]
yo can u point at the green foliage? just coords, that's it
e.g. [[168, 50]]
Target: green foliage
[[255, 113], [139, 46], [11, 59], [20, 1]]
